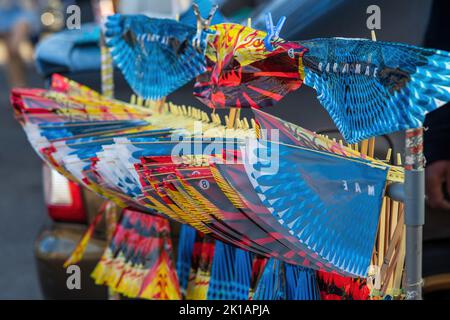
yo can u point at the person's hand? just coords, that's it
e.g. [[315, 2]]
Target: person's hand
[[436, 174]]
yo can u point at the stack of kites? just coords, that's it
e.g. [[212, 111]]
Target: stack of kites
[[263, 206], [138, 262]]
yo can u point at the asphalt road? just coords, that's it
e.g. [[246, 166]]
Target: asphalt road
[[22, 210]]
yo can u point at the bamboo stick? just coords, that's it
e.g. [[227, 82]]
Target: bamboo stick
[[373, 35], [371, 147], [398, 275], [394, 215], [393, 277], [387, 223], [227, 121], [381, 233], [400, 267], [388, 156], [383, 238], [394, 242], [372, 140], [389, 272], [365, 147]]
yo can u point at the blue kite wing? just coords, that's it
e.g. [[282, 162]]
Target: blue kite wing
[[156, 56], [372, 88], [330, 203]]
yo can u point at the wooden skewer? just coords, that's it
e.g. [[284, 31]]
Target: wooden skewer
[[227, 122], [387, 220], [247, 126], [368, 148], [391, 238], [389, 155], [393, 243], [398, 275], [371, 147], [396, 226], [371, 151], [388, 282], [401, 261], [381, 233], [365, 147], [399, 159], [396, 242], [231, 118], [161, 103], [394, 215], [219, 119], [380, 248], [207, 118], [216, 118], [373, 35]]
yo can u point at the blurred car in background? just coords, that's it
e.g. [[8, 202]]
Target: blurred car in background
[[70, 208]]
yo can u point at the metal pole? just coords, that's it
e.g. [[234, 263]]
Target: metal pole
[[414, 211]]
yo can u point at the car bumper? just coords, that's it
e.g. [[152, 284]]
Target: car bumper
[[52, 247]]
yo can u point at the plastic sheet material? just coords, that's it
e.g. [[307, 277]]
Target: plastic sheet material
[[156, 56], [325, 211], [185, 249], [272, 284], [132, 156], [230, 274], [201, 265], [372, 88], [336, 287], [242, 73]]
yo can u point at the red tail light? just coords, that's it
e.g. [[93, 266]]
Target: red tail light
[[64, 198]]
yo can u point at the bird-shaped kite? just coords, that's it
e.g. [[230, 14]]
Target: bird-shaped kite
[[157, 56]]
